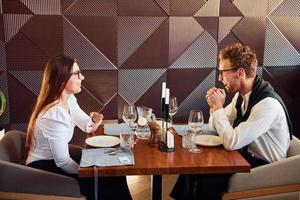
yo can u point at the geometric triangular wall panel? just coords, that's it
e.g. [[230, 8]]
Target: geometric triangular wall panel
[[107, 43], [210, 24], [67, 4], [15, 7], [196, 96], [254, 36], [78, 46], [270, 75], [185, 8], [153, 53], [182, 82], [285, 77], [278, 50], [228, 9], [24, 54], [165, 5], [183, 32], [253, 8], [135, 82], [48, 38], [132, 32], [210, 9], [225, 26], [88, 102], [201, 54], [290, 28], [101, 85], [92, 8], [287, 8], [259, 71], [13, 23], [142, 8], [2, 57], [19, 112], [273, 4], [32, 80], [44, 7]]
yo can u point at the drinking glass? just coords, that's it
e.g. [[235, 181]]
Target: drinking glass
[[173, 107], [126, 139], [195, 121], [129, 115]]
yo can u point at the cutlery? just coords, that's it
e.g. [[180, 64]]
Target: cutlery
[[113, 151]]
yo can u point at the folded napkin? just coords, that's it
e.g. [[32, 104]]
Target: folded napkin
[[207, 130], [182, 128], [100, 157], [115, 129]]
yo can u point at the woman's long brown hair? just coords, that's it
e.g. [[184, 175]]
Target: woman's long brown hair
[[56, 75]]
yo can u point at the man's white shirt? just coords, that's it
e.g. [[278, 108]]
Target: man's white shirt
[[265, 131]]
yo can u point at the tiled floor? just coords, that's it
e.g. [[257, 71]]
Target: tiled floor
[[140, 187]]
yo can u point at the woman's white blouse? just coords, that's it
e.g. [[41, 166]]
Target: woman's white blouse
[[54, 130]]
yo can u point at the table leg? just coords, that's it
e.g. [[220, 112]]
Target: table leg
[[156, 183]]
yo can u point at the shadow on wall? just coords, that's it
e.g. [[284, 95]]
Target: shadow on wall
[[294, 112]]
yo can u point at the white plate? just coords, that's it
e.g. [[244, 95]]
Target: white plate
[[208, 140], [102, 141]]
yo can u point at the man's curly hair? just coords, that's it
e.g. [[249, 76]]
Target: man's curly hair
[[241, 56]]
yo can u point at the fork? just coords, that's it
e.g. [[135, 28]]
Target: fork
[[113, 151]]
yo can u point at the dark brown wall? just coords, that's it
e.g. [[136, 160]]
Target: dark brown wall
[[127, 48]]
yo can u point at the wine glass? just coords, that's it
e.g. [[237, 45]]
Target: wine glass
[[129, 115], [195, 121], [173, 107]]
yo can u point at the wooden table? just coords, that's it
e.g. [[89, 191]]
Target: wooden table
[[150, 161]]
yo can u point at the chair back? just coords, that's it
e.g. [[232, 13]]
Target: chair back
[[12, 146], [294, 148]]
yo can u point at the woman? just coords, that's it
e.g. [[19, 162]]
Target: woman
[[51, 128]]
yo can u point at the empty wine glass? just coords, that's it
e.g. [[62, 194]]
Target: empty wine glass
[[173, 107], [129, 115], [195, 121]]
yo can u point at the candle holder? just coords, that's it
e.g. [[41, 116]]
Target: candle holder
[[166, 143], [163, 144]]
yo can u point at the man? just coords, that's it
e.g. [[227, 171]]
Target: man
[[256, 121]]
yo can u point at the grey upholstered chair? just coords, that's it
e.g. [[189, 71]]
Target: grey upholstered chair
[[275, 181], [21, 182]]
